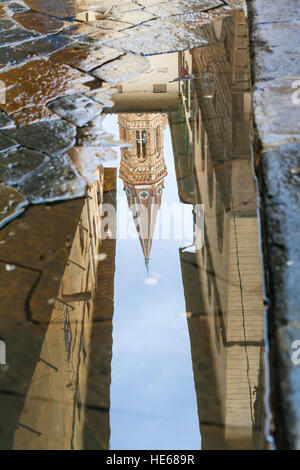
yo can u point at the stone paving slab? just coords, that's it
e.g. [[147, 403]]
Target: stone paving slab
[[86, 58], [77, 109], [264, 12], [16, 164], [103, 36], [77, 29], [33, 114], [68, 8], [134, 17], [110, 24], [180, 7], [12, 204], [39, 22], [126, 6], [46, 46], [11, 56], [275, 114], [98, 21], [5, 121], [38, 82], [50, 137], [150, 3], [17, 7], [165, 35], [122, 69], [16, 36], [56, 179], [278, 55], [104, 96], [6, 143], [6, 24]]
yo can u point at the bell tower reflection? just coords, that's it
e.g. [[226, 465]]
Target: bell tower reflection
[[143, 170]]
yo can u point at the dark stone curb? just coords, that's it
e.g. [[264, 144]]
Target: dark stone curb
[[275, 66], [280, 217]]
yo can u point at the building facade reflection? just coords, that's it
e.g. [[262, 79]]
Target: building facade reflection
[[222, 281], [67, 402]]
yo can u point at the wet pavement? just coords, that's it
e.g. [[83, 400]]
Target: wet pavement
[[123, 331], [275, 75]]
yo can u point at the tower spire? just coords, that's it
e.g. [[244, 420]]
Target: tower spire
[[143, 170], [147, 265]]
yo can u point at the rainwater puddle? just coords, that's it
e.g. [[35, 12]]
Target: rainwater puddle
[[132, 314]]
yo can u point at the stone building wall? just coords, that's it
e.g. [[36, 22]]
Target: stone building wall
[[54, 415], [229, 262]]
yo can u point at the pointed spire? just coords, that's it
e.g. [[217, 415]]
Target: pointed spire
[[143, 180], [147, 265]]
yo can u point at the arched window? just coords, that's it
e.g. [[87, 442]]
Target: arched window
[[141, 138]]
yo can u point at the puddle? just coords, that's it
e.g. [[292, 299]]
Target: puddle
[[131, 289]]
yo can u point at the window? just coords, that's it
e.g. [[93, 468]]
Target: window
[[141, 138], [160, 88]]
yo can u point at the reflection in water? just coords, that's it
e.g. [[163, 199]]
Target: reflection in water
[[73, 368], [188, 350], [153, 400], [224, 302], [143, 169], [52, 415]]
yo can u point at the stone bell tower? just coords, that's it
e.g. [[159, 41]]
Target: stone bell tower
[[143, 163], [143, 170]]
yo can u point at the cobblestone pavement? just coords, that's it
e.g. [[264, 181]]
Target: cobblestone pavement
[[60, 64], [63, 65]]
